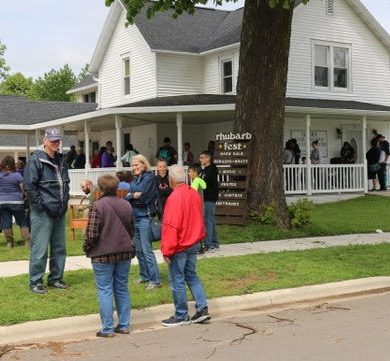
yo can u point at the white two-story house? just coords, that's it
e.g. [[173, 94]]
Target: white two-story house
[[177, 77]]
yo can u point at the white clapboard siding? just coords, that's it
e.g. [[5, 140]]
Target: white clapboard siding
[[370, 59], [142, 63], [212, 73], [178, 74]]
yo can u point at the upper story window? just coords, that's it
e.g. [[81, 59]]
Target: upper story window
[[227, 76], [126, 75], [332, 70], [90, 97]]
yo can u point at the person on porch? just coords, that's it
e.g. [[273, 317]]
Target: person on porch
[[385, 153], [373, 165]]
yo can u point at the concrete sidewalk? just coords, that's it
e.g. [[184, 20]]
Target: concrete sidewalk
[[14, 268]]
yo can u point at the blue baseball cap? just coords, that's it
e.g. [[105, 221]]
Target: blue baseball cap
[[53, 134]]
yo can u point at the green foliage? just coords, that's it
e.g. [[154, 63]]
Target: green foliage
[[54, 85], [285, 3], [4, 68], [267, 217], [16, 84], [300, 212], [83, 73]]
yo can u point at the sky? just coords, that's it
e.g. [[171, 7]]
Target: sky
[[45, 34]]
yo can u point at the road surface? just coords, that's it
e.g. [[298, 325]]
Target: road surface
[[356, 329]]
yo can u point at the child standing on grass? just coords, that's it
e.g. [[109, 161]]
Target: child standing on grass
[[199, 185]]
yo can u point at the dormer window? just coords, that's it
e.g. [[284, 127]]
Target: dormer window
[[227, 76], [126, 75]]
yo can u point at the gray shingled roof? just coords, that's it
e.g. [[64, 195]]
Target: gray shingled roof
[[89, 80], [22, 111], [208, 99], [204, 30]]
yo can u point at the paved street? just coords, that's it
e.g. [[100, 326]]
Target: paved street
[[356, 329]]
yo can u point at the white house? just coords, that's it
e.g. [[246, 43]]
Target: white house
[[166, 77]]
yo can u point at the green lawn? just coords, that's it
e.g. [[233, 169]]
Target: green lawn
[[221, 277], [359, 215]]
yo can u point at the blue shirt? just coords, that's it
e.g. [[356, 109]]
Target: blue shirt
[[10, 191]]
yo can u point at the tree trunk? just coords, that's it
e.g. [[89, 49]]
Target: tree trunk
[[261, 94]]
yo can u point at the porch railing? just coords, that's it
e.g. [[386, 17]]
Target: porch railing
[[298, 178], [323, 178]]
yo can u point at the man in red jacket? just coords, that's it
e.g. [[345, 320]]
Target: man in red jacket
[[182, 230]]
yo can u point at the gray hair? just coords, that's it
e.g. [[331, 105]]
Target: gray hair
[[177, 173]]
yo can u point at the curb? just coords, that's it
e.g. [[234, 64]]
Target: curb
[[220, 307]]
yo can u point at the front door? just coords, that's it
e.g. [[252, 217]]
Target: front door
[[354, 137]]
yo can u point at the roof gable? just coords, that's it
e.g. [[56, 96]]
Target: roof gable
[[207, 29]]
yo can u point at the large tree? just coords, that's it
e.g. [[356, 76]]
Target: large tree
[[4, 68], [54, 85], [16, 84], [261, 90]]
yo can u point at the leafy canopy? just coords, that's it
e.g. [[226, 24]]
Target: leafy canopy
[[54, 85], [4, 68], [16, 84], [133, 7]]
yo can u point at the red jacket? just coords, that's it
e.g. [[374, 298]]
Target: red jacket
[[182, 221]]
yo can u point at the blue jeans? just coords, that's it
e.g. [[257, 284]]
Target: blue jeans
[[209, 223], [182, 271], [9, 210], [47, 231], [148, 267], [112, 280]]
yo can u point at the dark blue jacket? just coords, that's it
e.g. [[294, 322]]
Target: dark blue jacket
[[145, 183], [47, 183]]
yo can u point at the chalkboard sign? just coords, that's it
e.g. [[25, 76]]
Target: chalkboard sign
[[232, 157]]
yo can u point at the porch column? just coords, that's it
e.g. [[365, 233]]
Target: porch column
[[16, 155], [86, 142], [179, 125], [27, 146], [308, 148], [62, 142], [364, 142], [37, 137], [118, 128]]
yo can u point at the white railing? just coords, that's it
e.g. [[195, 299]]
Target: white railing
[[77, 175], [323, 178]]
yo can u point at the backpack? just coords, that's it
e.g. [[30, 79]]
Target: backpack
[[165, 154]]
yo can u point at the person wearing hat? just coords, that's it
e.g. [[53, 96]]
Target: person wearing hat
[[46, 182]]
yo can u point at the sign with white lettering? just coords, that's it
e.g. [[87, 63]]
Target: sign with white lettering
[[232, 157]]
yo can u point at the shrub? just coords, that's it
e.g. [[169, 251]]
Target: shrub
[[300, 212]]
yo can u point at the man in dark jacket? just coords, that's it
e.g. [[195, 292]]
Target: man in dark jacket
[[46, 182], [209, 174]]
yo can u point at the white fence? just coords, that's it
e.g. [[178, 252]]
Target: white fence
[[323, 178], [298, 178]]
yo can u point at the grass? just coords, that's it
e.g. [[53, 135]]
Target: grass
[[359, 215], [221, 277]]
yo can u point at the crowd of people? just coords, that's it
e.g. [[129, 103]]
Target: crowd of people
[[118, 228]]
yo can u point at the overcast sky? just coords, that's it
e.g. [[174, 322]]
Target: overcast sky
[[45, 34]]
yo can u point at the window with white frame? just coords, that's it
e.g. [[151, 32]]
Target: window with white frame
[[126, 75], [227, 76], [332, 70]]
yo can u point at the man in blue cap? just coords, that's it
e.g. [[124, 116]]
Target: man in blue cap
[[46, 182]]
